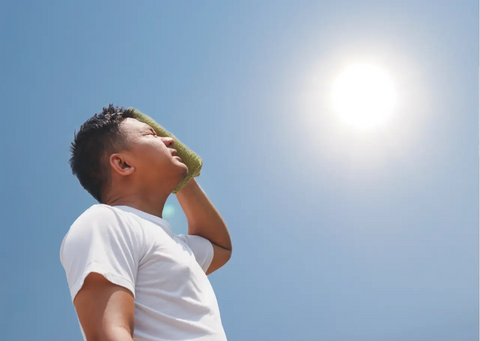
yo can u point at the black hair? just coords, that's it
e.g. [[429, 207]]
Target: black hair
[[92, 146]]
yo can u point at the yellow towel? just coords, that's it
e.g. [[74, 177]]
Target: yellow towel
[[192, 160]]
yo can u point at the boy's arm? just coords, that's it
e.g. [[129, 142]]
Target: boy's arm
[[105, 310], [205, 221]]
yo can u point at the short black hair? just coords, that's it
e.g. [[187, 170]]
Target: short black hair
[[97, 139]]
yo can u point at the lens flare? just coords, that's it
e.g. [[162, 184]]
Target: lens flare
[[168, 211]]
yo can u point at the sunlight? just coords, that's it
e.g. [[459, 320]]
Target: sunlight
[[363, 96]]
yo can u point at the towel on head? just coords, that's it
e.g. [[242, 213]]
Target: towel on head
[[192, 160]]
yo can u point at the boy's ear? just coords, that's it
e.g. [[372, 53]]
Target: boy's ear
[[120, 164]]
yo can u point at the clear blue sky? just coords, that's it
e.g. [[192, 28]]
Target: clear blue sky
[[337, 235]]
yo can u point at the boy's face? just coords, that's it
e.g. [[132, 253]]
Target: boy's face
[[152, 156]]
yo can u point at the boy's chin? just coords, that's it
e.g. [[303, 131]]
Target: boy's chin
[[185, 170]]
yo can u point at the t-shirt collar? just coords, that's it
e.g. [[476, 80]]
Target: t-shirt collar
[[150, 217]]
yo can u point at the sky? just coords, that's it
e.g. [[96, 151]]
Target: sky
[[338, 233]]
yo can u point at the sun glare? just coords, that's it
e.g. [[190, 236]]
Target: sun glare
[[363, 96]]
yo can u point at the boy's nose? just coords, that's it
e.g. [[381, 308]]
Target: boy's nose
[[169, 141]]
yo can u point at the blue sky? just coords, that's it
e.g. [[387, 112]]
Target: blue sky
[[337, 234]]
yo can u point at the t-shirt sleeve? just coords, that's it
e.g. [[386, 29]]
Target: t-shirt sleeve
[[201, 247], [101, 241]]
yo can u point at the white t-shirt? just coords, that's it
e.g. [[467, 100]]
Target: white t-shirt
[[165, 272]]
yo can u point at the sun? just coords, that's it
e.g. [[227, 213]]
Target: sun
[[364, 96]]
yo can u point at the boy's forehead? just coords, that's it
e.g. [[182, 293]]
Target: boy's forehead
[[134, 125]]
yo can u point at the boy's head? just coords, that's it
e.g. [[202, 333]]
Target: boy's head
[[115, 154]]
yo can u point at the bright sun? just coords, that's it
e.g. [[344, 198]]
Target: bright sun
[[363, 96]]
